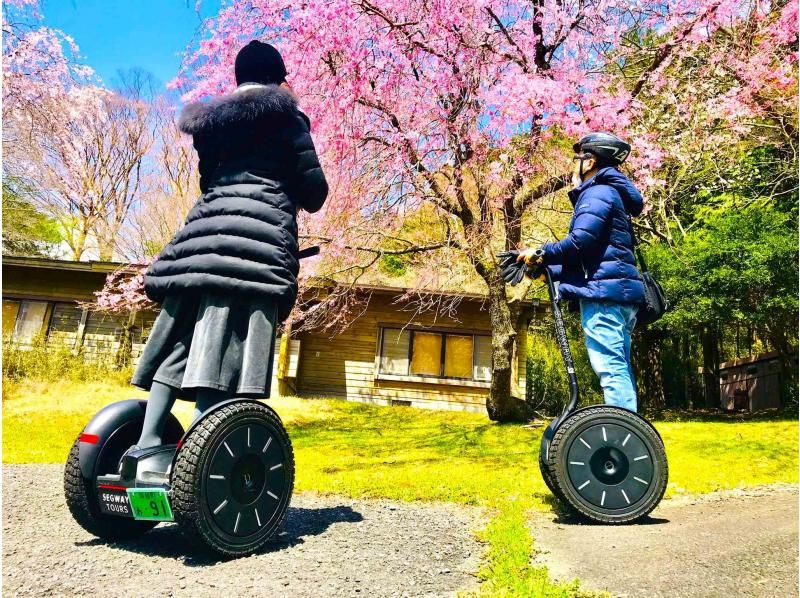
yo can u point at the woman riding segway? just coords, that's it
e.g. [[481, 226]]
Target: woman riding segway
[[225, 282], [606, 462]]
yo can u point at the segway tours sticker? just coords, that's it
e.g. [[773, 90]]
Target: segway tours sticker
[[150, 504], [114, 501]]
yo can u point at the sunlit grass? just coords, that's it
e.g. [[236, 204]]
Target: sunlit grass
[[415, 455], [411, 454]]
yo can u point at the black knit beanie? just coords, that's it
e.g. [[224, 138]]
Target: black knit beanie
[[258, 62]]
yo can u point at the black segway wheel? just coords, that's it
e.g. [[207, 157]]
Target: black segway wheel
[[547, 475], [233, 479], [548, 480], [609, 464], [82, 503]]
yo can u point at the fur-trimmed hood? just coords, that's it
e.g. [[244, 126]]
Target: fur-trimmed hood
[[247, 105], [257, 166]]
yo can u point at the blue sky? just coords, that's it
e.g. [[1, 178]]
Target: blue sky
[[121, 34]]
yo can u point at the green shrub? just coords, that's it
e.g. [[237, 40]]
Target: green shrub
[[392, 265], [547, 387], [55, 361]]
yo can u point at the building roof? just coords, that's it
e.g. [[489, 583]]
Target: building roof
[[109, 267], [749, 360], [39, 262]]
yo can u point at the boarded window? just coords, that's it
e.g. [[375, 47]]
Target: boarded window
[[10, 311], [482, 362], [394, 351], [142, 325], [458, 356], [435, 354], [426, 354], [102, 335]]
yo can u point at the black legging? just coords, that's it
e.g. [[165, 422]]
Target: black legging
[[159, 405]]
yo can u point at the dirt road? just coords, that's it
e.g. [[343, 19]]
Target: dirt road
[[331, 547], [740, 543]]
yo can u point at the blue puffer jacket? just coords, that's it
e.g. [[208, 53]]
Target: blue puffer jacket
[[595, 260]]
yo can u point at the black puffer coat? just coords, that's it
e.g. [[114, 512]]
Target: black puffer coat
[[258, 166]]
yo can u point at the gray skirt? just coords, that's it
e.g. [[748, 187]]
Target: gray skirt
[[211, 341]]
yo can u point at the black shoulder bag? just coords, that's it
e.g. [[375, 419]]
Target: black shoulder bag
[[655, 301]]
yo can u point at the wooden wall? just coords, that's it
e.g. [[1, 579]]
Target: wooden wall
[[62, 286], [345, 365]]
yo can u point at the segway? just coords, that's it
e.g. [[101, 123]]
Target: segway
[[226, 481], [606, 464]]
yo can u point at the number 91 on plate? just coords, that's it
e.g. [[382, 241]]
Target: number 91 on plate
[[150, 504]]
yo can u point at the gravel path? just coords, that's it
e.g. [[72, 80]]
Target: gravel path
[[736, 543], [331, 547]]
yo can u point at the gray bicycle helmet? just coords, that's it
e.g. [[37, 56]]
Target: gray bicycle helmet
[[607, 147]]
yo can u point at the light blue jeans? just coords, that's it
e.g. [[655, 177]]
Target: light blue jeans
[[607, 328]]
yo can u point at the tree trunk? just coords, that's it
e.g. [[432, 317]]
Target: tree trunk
[[710, 367], [285, 388], [125, 352], [686, 365], [501, 405], [78, 245], [650, 375], [105, 250]]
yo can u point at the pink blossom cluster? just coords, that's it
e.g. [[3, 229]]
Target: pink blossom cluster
[[124, 290], [39, 63], [386, 83]]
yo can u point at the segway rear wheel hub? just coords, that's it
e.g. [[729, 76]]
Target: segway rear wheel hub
[[609, 466]]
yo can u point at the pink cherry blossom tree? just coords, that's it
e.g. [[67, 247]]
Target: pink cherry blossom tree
[[39, 63], [78, 148], [468, 108]]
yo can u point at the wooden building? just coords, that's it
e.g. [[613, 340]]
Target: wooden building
[[751, 383], [388, 355]]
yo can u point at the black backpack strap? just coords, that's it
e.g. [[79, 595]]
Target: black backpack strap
[[636, 251]]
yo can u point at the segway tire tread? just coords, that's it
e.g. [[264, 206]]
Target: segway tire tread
[[82, 503], [551, 485], [187, 474], [560, 475]]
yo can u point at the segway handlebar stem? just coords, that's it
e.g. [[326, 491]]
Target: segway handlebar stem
[[563, 343]]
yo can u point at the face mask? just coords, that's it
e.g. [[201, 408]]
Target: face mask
[[577, 174]]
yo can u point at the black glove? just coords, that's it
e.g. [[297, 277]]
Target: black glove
[[513, 271]]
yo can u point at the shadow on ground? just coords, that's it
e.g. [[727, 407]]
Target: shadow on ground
[[564, 516], [168, 542]]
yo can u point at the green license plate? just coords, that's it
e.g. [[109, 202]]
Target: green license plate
[[150, 504]]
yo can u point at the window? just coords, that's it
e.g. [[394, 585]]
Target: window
[[394, 353], [426, 354], [30, 321], [458, 356], [482, 368], [431, 354], [64, 323], [10, 311]]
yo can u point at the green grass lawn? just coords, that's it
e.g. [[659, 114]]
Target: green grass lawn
[[409, 454]]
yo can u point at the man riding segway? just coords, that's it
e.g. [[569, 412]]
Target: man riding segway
[[605, 462], [595, 263]]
